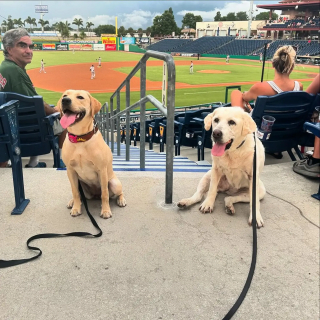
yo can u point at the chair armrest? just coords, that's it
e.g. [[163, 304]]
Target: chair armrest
[[198, 120], [312, 127], [50, 119]]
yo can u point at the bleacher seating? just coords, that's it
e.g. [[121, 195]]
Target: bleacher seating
[[205, 44], [304, 47], [240, 47], [169, 45]]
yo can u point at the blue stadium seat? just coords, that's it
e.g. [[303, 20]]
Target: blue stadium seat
[[10, 149], [291, 110], [35, 128]]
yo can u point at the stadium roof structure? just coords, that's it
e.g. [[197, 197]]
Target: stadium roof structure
[[289, 5]]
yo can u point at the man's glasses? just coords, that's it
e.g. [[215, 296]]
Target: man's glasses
[[24, 45]]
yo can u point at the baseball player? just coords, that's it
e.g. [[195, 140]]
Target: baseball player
[[227, 59], [93, 75], [191, 67], [260, 57], [99, 62], [42, 66]]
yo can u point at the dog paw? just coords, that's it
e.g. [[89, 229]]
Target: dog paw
[[121, 201], [105, 214], [229, 206], [230, 210], [206, 207], [183, 203], [70, 204], [259, 219], [75, 212]]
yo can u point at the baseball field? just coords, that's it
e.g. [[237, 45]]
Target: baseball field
[[68, 70]]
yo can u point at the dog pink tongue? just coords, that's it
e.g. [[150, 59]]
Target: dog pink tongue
[[67, 120], [218, 149]]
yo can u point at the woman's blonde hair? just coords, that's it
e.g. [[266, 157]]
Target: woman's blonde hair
[[284, 58]]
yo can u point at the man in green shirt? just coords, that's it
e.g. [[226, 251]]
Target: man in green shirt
[[18, 53]]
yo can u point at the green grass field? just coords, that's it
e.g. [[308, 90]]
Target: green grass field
[[247, 70]]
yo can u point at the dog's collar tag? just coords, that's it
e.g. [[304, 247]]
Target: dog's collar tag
[[84, 137]]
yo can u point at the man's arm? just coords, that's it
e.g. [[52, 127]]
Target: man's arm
[[48, 109]]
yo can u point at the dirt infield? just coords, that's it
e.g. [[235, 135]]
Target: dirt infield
[[74, 76]]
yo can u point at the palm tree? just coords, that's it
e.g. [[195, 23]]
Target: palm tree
[[77, 22], [5, 24], [43, 23], [34, 22], [65, 31], [30, 21], [18, 22], [88, 25], [82, 35]]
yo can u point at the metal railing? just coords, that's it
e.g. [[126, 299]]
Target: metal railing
[[113, 116]]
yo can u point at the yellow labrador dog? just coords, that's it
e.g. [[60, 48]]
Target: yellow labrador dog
[[232, 165], [86, 155]]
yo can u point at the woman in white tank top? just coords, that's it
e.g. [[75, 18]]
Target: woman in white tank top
[[283, 64]]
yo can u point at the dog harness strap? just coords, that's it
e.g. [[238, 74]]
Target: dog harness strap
[[84, 137], [241, 144]]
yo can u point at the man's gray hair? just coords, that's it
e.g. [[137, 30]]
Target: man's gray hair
[[11, 37]]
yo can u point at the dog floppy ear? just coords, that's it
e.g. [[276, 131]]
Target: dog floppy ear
[[249, 125], [95, 106], [208, 121]]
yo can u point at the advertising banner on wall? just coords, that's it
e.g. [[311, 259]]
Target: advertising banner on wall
[[127, 40], [37, 46], [74, 46], [111, 47], [99, 46], [86, 46], [62, 47], [109, 40], [48, 46]]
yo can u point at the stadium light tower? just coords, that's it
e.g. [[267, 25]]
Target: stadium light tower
[[250, 19]]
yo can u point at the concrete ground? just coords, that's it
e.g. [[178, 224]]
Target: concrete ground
[[155, 261]]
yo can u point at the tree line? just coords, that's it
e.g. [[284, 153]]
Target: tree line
[[163, 25]]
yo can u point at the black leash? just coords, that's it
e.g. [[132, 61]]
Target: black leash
[[246, 287], [11, 263]]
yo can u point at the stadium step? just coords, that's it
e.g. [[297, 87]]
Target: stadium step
[[154, 161]]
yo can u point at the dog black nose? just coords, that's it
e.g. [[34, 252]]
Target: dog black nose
[[66, 100], [217, 134]]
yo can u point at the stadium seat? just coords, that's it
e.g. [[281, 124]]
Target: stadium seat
[[10, 150], [35, 128], [291, 110]]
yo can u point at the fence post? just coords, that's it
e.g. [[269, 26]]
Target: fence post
[[112, 125], [143, 73], [128, 120], [118, 123]]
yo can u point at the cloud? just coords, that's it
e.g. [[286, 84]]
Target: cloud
[[228, 7], [135, 19]]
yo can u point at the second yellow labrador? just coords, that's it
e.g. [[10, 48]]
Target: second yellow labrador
[[86, 155], [232, 165]]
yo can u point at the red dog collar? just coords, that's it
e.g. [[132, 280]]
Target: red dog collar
[[84, 137]]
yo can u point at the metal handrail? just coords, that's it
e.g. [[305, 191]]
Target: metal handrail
[[167, 111]]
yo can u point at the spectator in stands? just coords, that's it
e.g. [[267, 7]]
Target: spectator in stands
[[17, 50], [283, 64], [311, 166]]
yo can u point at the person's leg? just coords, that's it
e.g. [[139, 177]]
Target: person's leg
[[236, 99], [310, 167]]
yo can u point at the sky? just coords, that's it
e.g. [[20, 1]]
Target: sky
[[133, 14]]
